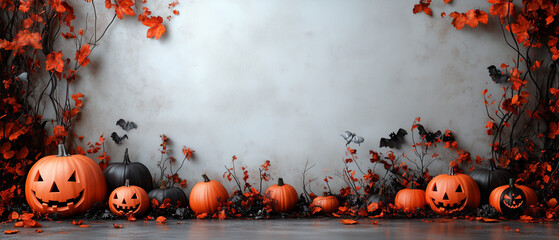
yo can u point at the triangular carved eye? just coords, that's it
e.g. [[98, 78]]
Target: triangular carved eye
[[518, 197], [134, 196], [459, 189], [116, 197], [507, 197], [73, 177], [435, 188], [38, 178]]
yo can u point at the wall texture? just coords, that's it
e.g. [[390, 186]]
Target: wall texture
[[279, 80]]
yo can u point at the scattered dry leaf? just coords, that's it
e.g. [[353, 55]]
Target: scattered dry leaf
[[117, 225], [348, 221], [11, 231], [161, 220]]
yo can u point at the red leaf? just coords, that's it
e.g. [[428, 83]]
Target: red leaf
[[161, 220], [156, 28], [117, 225], [348, 221], [82, 54], [26, 38], [54, 62], [11, 231]]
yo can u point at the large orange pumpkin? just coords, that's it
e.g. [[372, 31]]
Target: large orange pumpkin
[[206, 196], [410, 199], [328, 204], [283, 196], [65, 184], [128, 199], [451, 193]]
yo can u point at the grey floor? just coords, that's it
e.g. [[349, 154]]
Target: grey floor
[[289, 229]]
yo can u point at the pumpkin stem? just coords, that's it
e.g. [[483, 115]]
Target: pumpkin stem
[[126, 157], [163, 184], [206, 179], [412, 185], [451, 171], [325, 194], [280, 182], [511, 182], [492, 164], [62, 151], [127, 183]]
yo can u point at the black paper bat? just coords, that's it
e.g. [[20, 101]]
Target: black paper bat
[[497, 76], [428, 136], [351, 137], [395, 140], [126, 125], [117, 139], [447, 136]]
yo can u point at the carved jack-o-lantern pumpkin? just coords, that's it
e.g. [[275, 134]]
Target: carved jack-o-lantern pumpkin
[[65, 184], [508, 200], [451, 193], [128, 200]]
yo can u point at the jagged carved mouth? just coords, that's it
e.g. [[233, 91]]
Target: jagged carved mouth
[[450, 207], [53, 203], [126, 209], [514, 206]]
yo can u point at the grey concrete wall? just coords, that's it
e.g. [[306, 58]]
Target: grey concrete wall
[[280, 79]]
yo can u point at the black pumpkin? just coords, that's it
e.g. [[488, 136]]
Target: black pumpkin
[[176, 196], [508, 200], [138, 174], [489, 179]]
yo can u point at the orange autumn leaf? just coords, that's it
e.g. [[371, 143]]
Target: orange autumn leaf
[[222, 215], [175, 12], [38, 230], [79, 222], [124, 7], [501, 8], [156, 27], [131, 218], [68, 35], [59, 131], [201, 216], [11, 231], [423, 6], [161, 220], [348, 221], [27, 23], [117, 225], [76, 97], [54, 62], [553, 130], [84, 225], [13, 216], [27, 38], [82, 54]]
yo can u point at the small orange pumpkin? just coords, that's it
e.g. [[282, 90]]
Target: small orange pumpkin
[[65, 184], [283, 196], [128, 199], [451, 193], [410, 199], [328, 203], [206, 196]]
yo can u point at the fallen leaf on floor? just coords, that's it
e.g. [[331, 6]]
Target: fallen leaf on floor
[[348, 221], [117, 225], [161, 220], [11, 231], [131, 218], [490, 220], [202, 216], [84, 225], [38, 230], [77, 222], [375, 222]]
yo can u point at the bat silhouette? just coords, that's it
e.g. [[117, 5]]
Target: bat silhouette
[[351, 137], [497, 76], [428, 136], [126, 125], [395, 140], [447, 136], [117, 139]]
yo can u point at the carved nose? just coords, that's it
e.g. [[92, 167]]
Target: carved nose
[[445, 197], [123, 201], [54, 188]]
